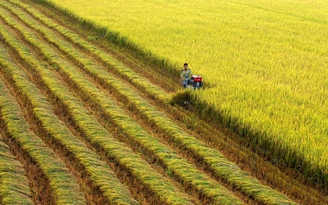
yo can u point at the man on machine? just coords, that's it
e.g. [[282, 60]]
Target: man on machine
[[185, 77]]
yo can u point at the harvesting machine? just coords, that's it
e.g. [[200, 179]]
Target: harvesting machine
[[196, 82]]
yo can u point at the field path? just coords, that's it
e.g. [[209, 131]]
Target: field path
[[106, 119]]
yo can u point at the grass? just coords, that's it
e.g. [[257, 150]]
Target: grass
[[265, 63]]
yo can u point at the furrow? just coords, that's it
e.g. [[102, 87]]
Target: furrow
[[45, 11], [105, 186], [14, 187], [276, 178], [113, 63], [100, 138], [52, 179], [187, 173], [215, 161], [227, 170], [236, 152], [248, 185]]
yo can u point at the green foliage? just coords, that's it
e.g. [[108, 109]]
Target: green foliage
[[182, 98]]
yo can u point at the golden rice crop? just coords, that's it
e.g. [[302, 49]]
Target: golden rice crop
[[88, 103], [266, 62]]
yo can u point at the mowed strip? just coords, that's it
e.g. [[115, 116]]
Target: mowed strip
[[227, 170], [185, 172], [163, 189], [14, 187], [98, 172], [114, 64], [60, 179]]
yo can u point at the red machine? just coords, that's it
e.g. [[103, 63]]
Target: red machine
[[196, 81]]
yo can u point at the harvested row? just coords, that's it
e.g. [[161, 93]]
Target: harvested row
[[118, 96], [186, 173], [256, 100], [268, 172], [247, 185], [50, 170], [113, 63], [227, 170], [234, 149], [215, 161], [98, 136], [13, 181], [105, 185]]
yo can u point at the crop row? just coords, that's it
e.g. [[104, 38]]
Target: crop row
[[270, 95], [13, 181], [57, 57], [127, 123], [211, 157], [62, 30], [96, 171], [187, 173], [113, 63], [98, 136], [18, 129]]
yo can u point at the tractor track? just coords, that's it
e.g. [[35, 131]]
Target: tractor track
[[213, 136]]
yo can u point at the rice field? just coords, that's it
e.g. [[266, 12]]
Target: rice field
[[83, 122], [265, 63]]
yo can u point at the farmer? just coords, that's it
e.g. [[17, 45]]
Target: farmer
[[185, 76]]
